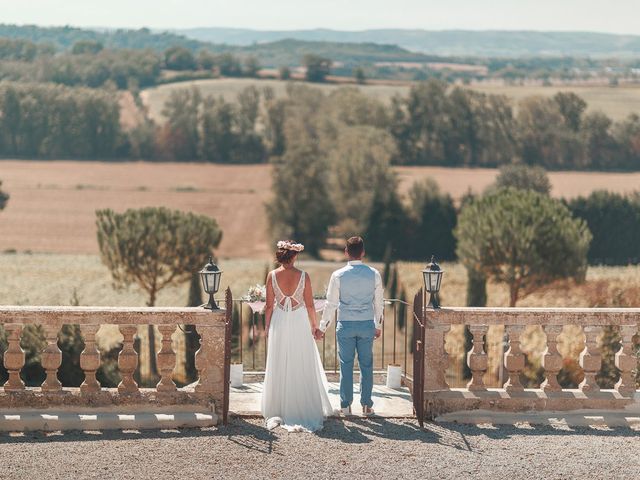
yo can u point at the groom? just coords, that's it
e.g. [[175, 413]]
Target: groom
[[356, 292]]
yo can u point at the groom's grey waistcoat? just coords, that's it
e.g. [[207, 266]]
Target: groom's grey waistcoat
[[357, 291]]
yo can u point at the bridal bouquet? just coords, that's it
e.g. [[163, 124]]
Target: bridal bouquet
[[256, 293]]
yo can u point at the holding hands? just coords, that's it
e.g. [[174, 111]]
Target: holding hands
[[318, 334]]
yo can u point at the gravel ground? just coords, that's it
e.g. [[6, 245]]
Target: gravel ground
[[376, 448]]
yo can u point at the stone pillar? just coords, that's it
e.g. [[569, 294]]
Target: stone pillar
[[590, 359], [477, 358], [435, 357], [626, 361], [210, 364], [166, 360], [551, 359], [51, 359], [90, 359], [514, 359], [128, 360], [13, 357]]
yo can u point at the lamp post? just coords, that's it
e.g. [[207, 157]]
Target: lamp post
[[210, 275], [432, 275]]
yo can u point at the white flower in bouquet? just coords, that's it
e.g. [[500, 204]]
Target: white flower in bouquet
[[256, 293]]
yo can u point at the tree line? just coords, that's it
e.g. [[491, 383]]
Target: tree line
[[44, 121], [433, 124], [89, 63]]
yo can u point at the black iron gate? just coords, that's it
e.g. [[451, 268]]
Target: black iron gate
[[417, 391], [227, 354]]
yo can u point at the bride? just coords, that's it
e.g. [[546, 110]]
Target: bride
[[295, 386]]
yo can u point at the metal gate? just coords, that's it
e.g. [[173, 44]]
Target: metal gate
[[227, 354], [417, 392]]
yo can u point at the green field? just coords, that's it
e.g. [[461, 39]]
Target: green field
[[229, 88], [617, 102]]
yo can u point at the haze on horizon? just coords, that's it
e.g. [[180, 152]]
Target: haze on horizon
[[543, 15]]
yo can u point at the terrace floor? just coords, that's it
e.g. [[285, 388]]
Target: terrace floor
[[354, 448], [387, 402]]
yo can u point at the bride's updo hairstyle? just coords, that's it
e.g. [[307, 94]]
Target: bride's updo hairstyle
[[287, 250]]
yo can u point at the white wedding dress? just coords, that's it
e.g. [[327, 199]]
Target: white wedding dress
[[295, 385]]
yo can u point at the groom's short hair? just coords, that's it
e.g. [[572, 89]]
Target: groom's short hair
[[355, 247]]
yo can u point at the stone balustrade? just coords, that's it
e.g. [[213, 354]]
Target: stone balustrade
[[439, 398], [208, 394]]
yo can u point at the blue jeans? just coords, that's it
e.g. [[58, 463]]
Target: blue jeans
[[356, 337]]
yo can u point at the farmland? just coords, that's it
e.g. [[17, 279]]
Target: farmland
[[617, 102], [52, 205], [47, 234]]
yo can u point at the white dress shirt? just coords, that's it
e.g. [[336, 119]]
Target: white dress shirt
[[333, 299]]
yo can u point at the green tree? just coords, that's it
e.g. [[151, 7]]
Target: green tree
[[182, 130], [386, 226], [317, 67], [360, 172], [301, 207], [229, 65], [571, 108], [476, 288], [4, 197], [154, 248], [86, 47], [433, 217], [251, 67], [545, 138], [614, 222], [523, 177], [359, 76], [600, 148], [206, 60], [218, 125], [10, 120], [274, 119], [627, 135], [284, 72], [179, 58], [522, 238]]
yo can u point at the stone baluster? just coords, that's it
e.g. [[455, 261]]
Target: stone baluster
[[590, 359], [128, 360], [626, 361], [551, 359], [166, 360], [514, 359], [477, 358], [13, 357], [90, 359], [51, 359]]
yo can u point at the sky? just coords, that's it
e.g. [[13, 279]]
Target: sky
[[615, 16]]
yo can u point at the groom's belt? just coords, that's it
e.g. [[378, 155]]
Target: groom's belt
[[355, 308]]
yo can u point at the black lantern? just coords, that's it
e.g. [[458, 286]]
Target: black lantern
[[432, 277], [210, 275]]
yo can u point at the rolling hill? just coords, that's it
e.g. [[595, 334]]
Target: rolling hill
[[446, 42]]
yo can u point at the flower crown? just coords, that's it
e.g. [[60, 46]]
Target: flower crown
[[286, 245]]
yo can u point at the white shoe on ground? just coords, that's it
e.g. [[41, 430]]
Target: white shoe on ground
[[346, 411], [367, 411]]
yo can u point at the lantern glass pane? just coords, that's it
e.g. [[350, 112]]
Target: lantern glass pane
[[433, 281], [216, 281], [205, 282]]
